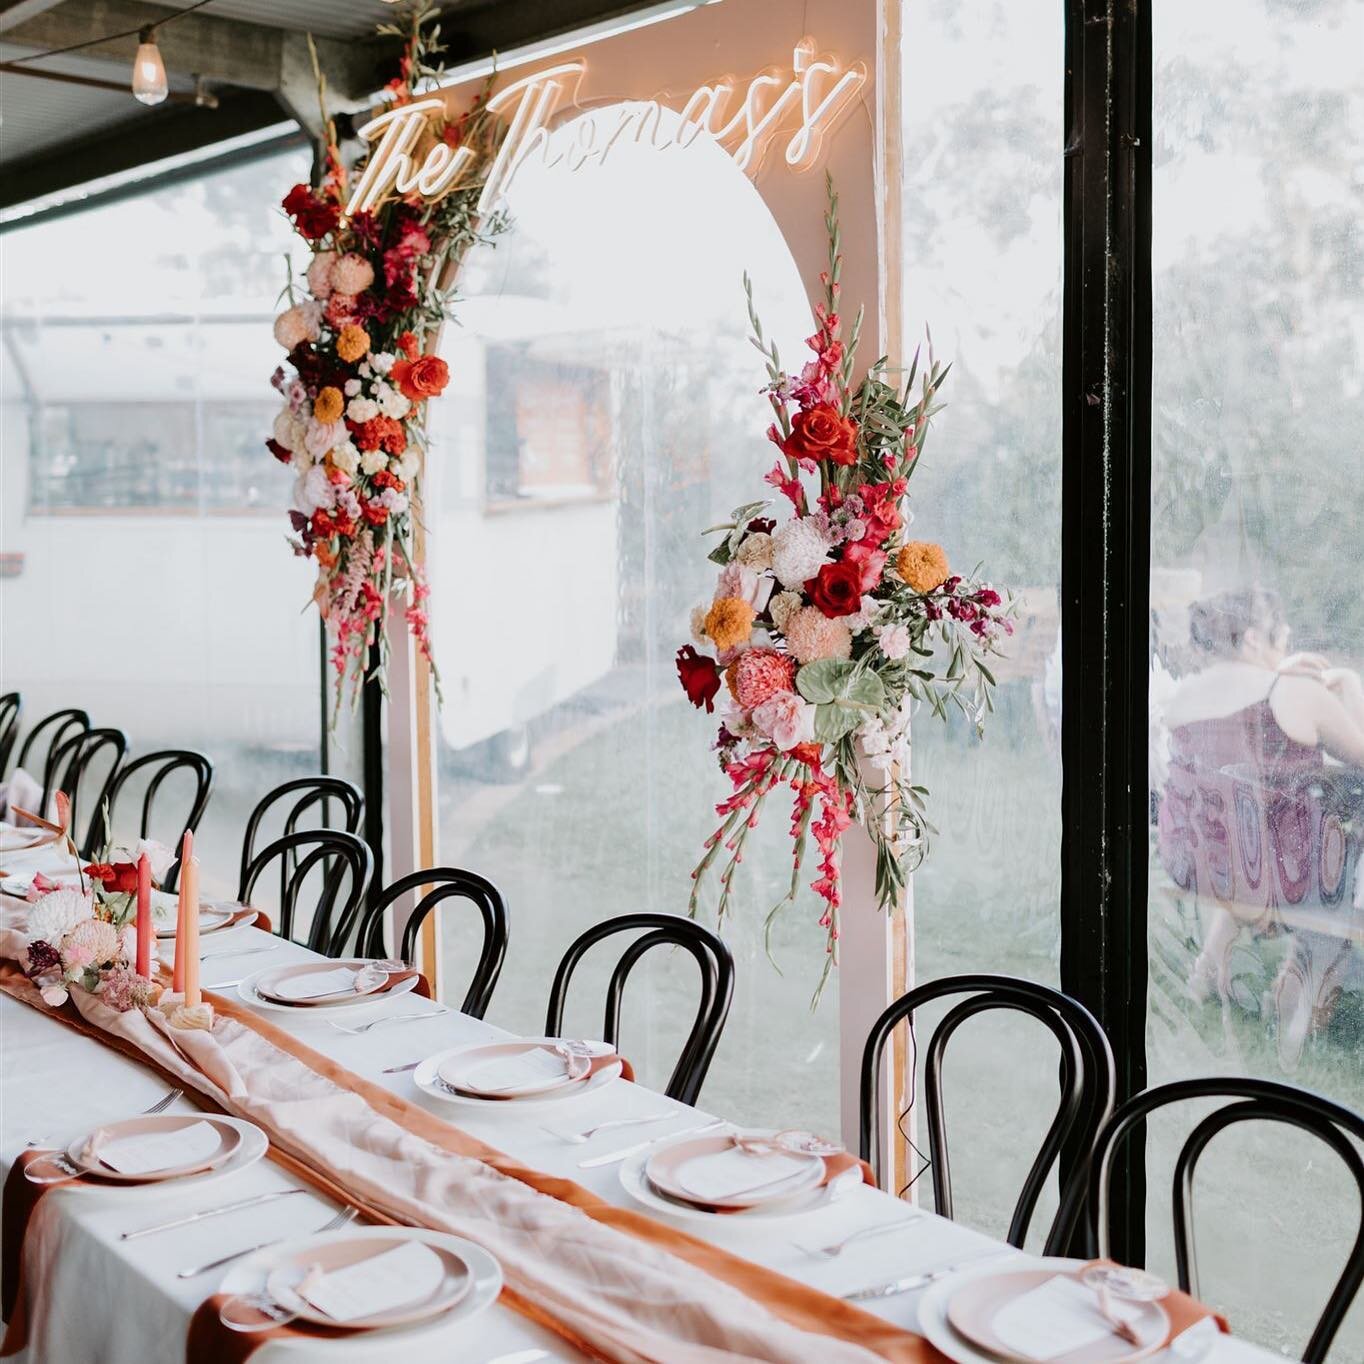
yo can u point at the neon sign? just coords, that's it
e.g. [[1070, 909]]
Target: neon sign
[[802, 105]]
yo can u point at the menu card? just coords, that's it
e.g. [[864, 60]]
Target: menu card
[[394, 1278], [521, 1070], [151, 1151], [1056, 1318], [723, 1174], [316, 984]]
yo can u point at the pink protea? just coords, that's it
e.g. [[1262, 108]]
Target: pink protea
[[760, 674]]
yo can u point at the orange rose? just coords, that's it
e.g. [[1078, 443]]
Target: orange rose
[[352, 343], [424, 377], [820, 433], [329, 405]]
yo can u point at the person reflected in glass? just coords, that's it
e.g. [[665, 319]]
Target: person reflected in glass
[[1261, 810]]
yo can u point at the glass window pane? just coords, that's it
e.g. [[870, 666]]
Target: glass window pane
[[1257, 631], [146, 577], [605, 409], [982, 269]]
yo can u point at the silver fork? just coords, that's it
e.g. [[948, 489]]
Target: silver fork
[[346, 1214], [577, 1138], [160, 1106], [836, 1248], [379, 1022]]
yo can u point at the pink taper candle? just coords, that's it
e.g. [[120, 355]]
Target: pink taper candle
[[178, 970], [189, 876], [144, 916]]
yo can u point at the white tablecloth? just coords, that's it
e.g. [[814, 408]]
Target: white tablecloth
[[126, 1304]]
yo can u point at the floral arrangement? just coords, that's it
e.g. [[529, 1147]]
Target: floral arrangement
[[359, 333], [823, 629], [85, 936]]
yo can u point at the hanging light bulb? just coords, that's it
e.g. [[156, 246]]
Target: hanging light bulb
[[149, 71]]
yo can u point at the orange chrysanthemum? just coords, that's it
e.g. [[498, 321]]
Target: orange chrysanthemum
[[729, 622], [923, 565], [352, 343], [329, 405]]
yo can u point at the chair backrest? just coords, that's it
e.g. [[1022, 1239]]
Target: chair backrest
[[1256, 1101], [11, 704], [43, 740], [442, 884], [157, 767], [345, 865], [72, 770], [1087, 1087], [337, 803], [713, 960]]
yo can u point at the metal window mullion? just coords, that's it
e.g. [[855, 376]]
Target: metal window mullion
[[1106, 528]]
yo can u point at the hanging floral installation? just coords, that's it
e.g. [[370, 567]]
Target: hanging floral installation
[[359, 330], [829, 626]]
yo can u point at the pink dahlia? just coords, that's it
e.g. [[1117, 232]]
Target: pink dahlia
[[352, 274], [760, 674], [91, 943]]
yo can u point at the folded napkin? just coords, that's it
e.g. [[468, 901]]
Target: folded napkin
[[594, 1064], [423, 986], [21, 1199], [21, 790], [834, 1166]]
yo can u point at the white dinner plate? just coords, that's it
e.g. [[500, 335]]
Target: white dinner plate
[[426, 1079], [253, 1146], [636, 1183], [20, 883], [351, 1003], [250, 1273]]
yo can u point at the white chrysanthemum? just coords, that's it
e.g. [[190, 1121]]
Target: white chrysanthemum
[[406, 467], [782, 607], [362, 409], [756, 551], [697, 624], [353, 386], [382, 362], [392, 403], [56, 914], [372, 461], [798, 550]]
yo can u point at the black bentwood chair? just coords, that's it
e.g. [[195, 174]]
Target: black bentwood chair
[[717, 988], [1087, 1086], [335, 802], [73, 770], [11, 704], [442, 884], [43, 740], [344, 864], [1256, 1101], [156, 767]]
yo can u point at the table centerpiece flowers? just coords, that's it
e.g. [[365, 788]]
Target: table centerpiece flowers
[[829, 627]]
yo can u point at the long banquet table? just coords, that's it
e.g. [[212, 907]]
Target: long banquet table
[[124, 1301]]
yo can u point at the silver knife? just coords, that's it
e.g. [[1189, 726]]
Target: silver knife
[[208, 1212], [398, 1070], [912, 1281], [626, 1152]]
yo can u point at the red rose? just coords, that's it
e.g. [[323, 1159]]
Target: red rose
[[837, 589], [375, 513], [820, 433], [700, 677], [870, 563], [424, 377], [407, 343], [118, 878]]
